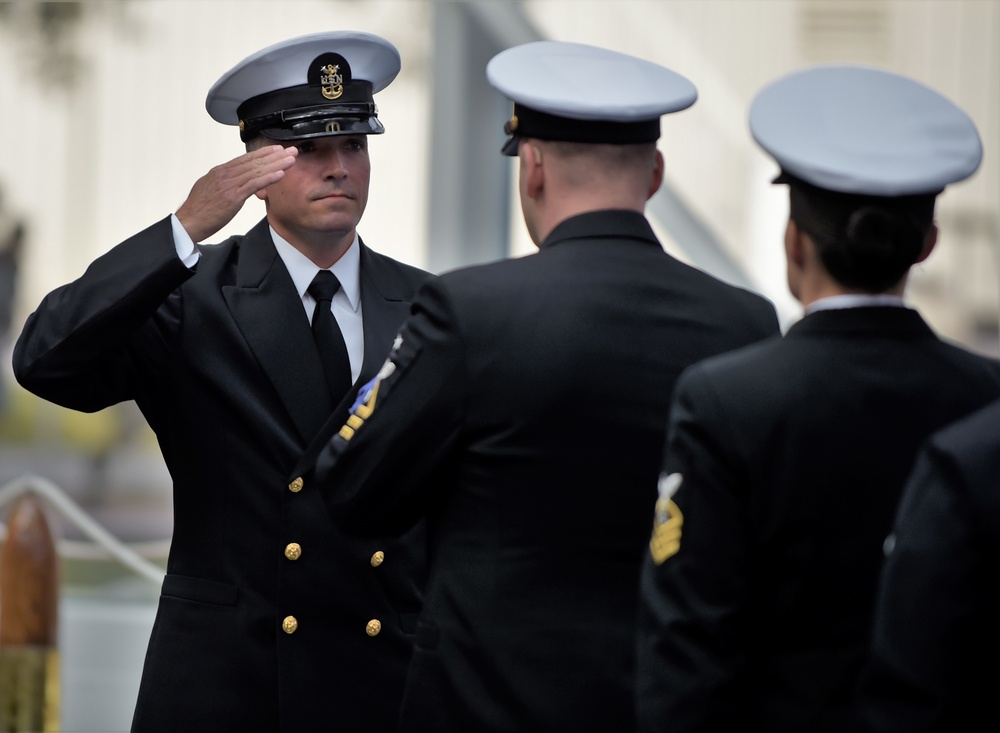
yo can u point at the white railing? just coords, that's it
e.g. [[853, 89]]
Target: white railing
[[103, 544]]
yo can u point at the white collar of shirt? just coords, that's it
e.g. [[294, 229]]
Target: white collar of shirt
[[834, 302], [303, 270]]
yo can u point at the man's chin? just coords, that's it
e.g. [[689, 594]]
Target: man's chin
[[337, 226], [337, 217]]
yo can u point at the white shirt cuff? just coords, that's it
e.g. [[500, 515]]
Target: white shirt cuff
[[186, 250]]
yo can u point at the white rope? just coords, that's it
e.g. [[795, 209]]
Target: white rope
[[104, 543]]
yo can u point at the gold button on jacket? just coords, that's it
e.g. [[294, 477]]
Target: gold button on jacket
[[290, 624], [377, 558], [374, 626], [296, 485], [293, 550]]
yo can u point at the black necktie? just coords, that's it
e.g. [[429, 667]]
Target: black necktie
[[329, 339]]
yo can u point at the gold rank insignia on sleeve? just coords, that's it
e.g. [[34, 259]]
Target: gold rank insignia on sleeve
[[667, 520], [363, 406]]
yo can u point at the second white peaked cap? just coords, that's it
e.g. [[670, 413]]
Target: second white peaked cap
[[582, 93], [281, 87], [862, 130]]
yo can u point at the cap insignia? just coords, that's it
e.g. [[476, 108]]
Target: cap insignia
[[332, 81]]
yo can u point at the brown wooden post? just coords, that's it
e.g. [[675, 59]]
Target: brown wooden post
[[29, 600]]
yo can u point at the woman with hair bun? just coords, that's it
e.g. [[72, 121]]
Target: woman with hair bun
[[785, 460]]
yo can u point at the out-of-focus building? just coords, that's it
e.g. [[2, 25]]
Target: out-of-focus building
[[96, 154]]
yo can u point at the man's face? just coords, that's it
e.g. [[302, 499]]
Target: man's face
[[326, 189]]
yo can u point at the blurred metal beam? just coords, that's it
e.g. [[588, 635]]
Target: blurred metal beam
[[469, 179], [470, 203]]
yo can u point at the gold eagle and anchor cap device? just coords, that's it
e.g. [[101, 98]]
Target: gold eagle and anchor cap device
[[573, 92], [311, 86]]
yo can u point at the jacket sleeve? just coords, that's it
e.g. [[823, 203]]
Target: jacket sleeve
[[932, 618], [376, 474], [88, 341], [693, 580]]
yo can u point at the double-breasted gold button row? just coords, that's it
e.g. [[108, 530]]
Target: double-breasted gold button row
[[293, 551], [290, 625]]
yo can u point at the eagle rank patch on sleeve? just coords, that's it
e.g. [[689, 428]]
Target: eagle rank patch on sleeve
[[667, 520]]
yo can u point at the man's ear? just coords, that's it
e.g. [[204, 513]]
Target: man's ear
[[534, 173], [536, 152], [261, 194], [657, 180], [929, 241]]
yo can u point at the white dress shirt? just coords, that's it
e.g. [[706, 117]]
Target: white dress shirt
[[834, 302], [346, 303]]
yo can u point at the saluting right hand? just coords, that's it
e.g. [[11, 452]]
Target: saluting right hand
[[219, 195]]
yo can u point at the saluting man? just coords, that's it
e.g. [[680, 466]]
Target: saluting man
[[524, 406], [269, 619]]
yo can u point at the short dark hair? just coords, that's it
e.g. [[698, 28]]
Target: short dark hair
[[866, 243], [258, 141]]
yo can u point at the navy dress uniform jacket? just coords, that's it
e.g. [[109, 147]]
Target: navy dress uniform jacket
[[793, 455], [223, 365], [936, 639], [524, 411]]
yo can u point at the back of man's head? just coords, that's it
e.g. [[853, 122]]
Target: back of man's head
[[593, 165], [591, 117]]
